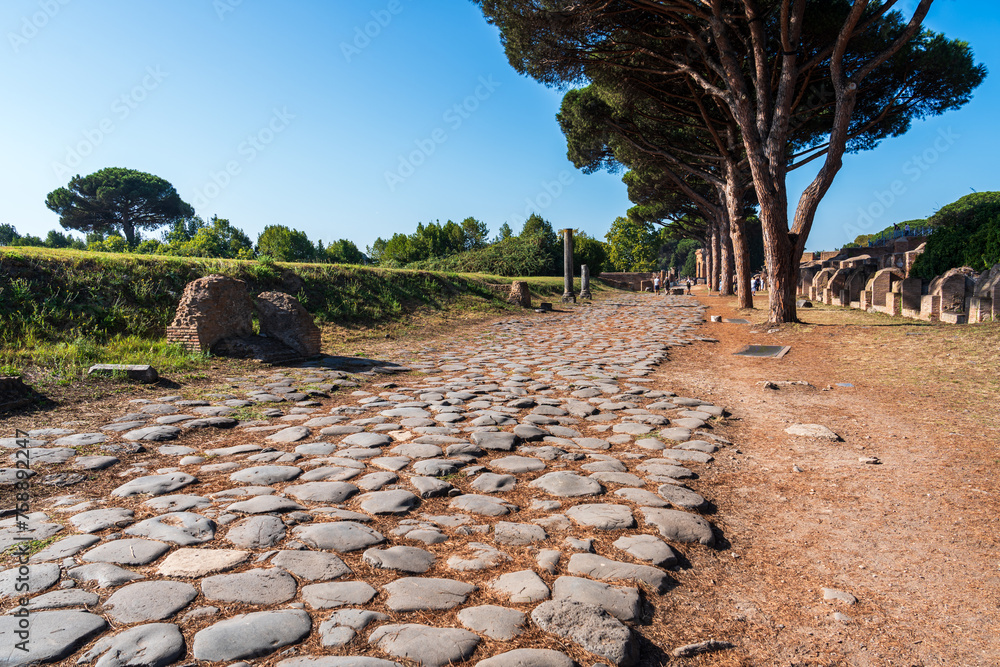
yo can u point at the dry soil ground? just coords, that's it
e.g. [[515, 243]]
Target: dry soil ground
[[913, 538]]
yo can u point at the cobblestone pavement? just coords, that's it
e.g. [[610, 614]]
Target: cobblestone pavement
[[523, 490]]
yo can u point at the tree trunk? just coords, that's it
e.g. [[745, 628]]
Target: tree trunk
[[725, 256], [741, 245], [781, 265], [714, 277], [129, 229]]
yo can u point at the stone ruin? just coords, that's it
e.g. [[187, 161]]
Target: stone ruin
[[519, 294], [882, 283], [216, 314]]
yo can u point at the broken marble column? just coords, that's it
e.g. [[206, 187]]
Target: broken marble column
[[585, 282], [568, 295]]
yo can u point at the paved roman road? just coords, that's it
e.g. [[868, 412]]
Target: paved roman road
[[526, 482]]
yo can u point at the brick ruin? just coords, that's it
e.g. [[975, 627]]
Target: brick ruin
[[216, 314], [878, 280]]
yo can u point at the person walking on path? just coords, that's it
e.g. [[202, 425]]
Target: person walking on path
[[656, 284], [689, 285]]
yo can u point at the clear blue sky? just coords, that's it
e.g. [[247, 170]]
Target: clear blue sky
[[268, 113]]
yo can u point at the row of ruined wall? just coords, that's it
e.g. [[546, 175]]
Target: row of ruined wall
[[958, 296]]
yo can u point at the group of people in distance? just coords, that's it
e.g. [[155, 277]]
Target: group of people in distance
[[656, 285]]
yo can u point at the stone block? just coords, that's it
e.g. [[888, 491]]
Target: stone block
[[139, 372], [930, 307], [282, 317]]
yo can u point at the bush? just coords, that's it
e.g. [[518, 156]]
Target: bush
[[967, 234]]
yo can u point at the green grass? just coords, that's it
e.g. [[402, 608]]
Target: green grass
[[64, 310]]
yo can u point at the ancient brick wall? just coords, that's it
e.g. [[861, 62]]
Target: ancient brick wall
[[211, 308]]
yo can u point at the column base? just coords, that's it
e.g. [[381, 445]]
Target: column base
[[568, 297], [586, 295]]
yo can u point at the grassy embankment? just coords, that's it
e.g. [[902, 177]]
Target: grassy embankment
[[63, 310]]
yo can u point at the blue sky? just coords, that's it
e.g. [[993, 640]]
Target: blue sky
[[358, 120]]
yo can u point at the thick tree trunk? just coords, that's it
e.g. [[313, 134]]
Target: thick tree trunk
[[129, 231], [781, 264], [741, 247]]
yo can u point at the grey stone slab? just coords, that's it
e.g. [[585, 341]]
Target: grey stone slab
[[265, 505], [528, 657], [686, 456], [53, 636], [489, 482], [311, 565], [159, 433], [404, 559], [251, 635], [620, 478], [317, 449], [331, 474], [94, 462], [396, 501], [98, 520], [648, 548], [481, 557], [517, 464], [602, 516], [495, 622], [181, 528], [104, 575], [331, 595], [394, 463], [565, 484], [210, 422], [815, 431], [657, 468], [436, 467], [622, 603], [65, 547], [38, 578], [426, 645], [375, 481], [499, 441], [154, 485], [426, 594], [605, 569], [73, 597], [521, 586], [518, 534], [641, 497], [592, 443], [588, 626], [290, 434], [149, 601], [266, 475], [680, 526], [678, 496], [81, 440], [151, 645], [235, 449], [127, 552], [257, 532], [337, 660], [367, 440], [417, 450], [676, 434], [258, 586], [340, 536], [177, 503], [431, 487], [483, 505]]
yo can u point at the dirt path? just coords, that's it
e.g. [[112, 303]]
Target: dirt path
[[914, 538]]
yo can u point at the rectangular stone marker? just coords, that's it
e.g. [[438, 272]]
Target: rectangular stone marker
[[764, 351], [139, 372]]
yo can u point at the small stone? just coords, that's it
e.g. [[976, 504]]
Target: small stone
[[397, 501], [489, 482], [599, 567], [680, 526], [841, 596], [483, 557], [648, 548], [691, 650], [816, 431], [517, 534], [622, 603], [104, 575], [482, 505], [311, 565]]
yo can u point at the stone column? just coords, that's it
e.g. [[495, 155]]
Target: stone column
[[568, 295], [585, 283]]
